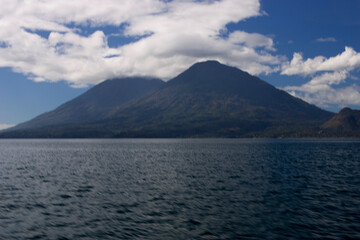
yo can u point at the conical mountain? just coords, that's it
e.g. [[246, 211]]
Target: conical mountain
[[212, 99], [207, 100], [94, 104]]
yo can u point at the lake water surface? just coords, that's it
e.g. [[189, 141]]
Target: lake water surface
[[180, 189]]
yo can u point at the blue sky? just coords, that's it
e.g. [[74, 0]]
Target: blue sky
[[52, 51]]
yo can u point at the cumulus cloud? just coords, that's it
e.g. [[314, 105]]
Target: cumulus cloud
[[328, 39], [252, 40], [5, 126], [327, 74], [326, 96], [166, 38], [347, 60]]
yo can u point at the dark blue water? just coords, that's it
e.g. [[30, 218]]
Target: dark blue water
[[180, 189]]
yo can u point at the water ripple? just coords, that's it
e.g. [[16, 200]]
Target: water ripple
[[179, 189]]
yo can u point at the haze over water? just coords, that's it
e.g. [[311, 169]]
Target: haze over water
[[179, 189]]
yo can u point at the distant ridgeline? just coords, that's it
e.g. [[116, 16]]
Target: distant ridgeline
[[207, 100], [344, 124]]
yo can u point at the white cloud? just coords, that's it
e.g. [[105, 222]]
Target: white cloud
[[327, 78], [347, 60], [5, 126], [322, 90], [252, 40], [328, 39], [325, 96], [327, 74], [168, 36]]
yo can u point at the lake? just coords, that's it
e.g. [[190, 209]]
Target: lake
[[180, 189]]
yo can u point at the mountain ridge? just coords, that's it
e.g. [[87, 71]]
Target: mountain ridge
[[238, 84], [209, 99], [96, 103]]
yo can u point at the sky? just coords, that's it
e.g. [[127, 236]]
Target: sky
[[52, 51]]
